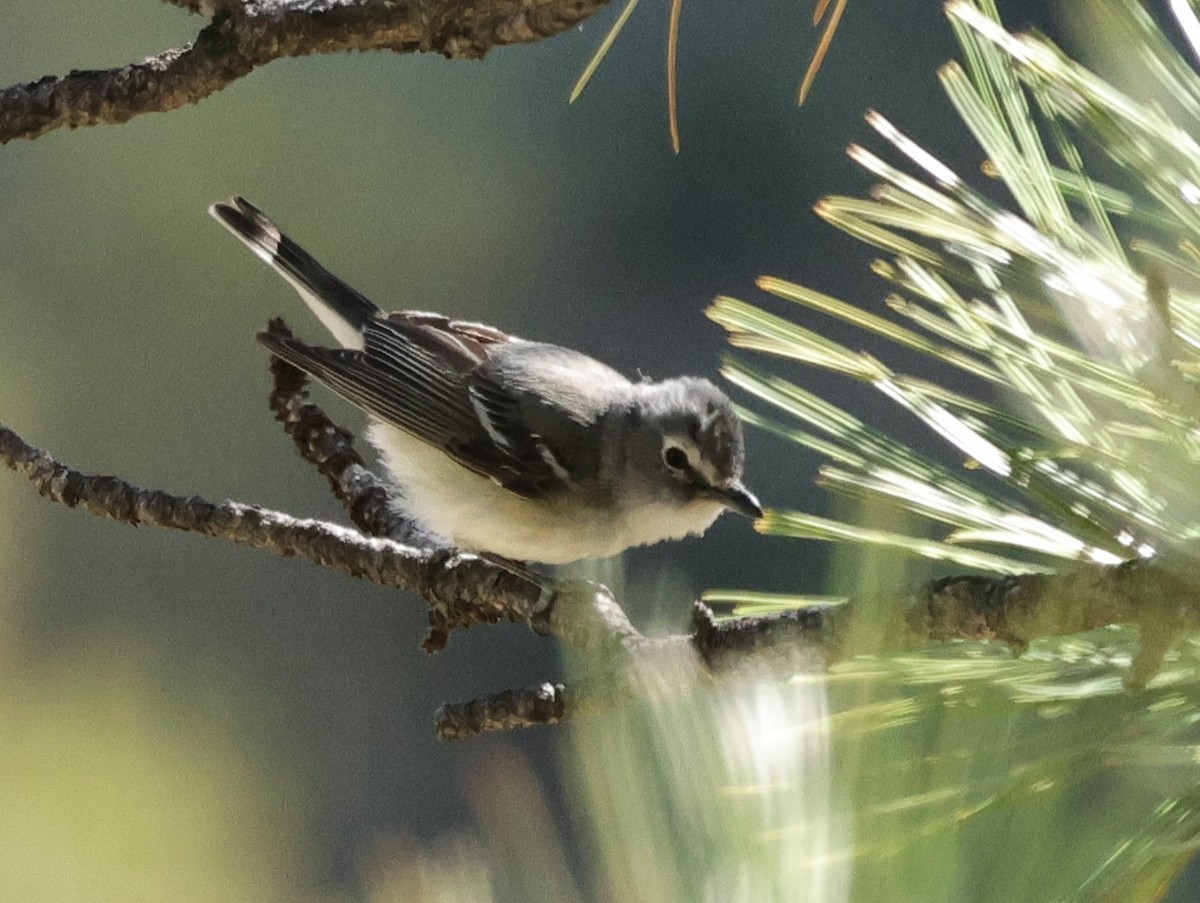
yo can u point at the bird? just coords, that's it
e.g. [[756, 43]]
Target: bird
[[519, 449]]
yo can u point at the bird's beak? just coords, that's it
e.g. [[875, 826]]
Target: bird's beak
[[737, 497]]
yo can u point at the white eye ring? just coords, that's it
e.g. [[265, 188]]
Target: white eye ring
[[676, 458]]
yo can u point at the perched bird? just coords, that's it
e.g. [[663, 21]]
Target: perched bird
[[529, 451]]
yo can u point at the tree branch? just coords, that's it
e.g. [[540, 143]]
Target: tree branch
[[620, 662], [243, 36], [1014, 610], [470, 588], [506, 711]]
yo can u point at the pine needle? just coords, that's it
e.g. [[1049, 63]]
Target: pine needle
[[823, 47], [672, 61], [602, 51]]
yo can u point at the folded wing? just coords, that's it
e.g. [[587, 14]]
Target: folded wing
[[438, 380]]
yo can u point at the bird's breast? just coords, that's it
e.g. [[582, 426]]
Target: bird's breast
[[476, 514]]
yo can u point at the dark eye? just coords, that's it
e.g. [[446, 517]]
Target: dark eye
[[676, 458]]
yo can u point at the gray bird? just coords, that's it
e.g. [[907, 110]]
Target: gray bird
[[529, 451]]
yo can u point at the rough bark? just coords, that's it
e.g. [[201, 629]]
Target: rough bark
[[243, 36]]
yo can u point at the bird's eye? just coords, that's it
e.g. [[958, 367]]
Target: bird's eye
[[676, 458]]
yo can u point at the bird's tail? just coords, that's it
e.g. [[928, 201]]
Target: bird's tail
[[343, 310]]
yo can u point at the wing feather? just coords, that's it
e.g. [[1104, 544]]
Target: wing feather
[[436, 389]]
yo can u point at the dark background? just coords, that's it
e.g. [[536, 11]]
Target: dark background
[[189, 720]]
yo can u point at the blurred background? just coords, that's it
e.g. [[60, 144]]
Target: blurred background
[[187, 720]]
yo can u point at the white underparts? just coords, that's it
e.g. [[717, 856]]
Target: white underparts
[[477, 514]]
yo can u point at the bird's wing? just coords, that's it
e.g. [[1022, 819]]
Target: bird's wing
[[457, 344], [435, 379]]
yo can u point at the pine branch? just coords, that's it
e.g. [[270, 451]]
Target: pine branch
[[468, 589], [243, 36], [506, 711], [1015, 610], [462, 589]]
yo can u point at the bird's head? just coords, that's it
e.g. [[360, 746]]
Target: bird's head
[[686, 446]]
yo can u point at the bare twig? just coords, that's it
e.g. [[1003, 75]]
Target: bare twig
[[465, 588], [244, 36], [516, 709], [506, 711]]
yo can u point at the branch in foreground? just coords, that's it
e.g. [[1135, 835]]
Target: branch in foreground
[[244, 36], [467, 589], [1012, 610], [470, 589], [460, 589]]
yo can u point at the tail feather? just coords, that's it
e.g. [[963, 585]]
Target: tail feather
[[343, 310]]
